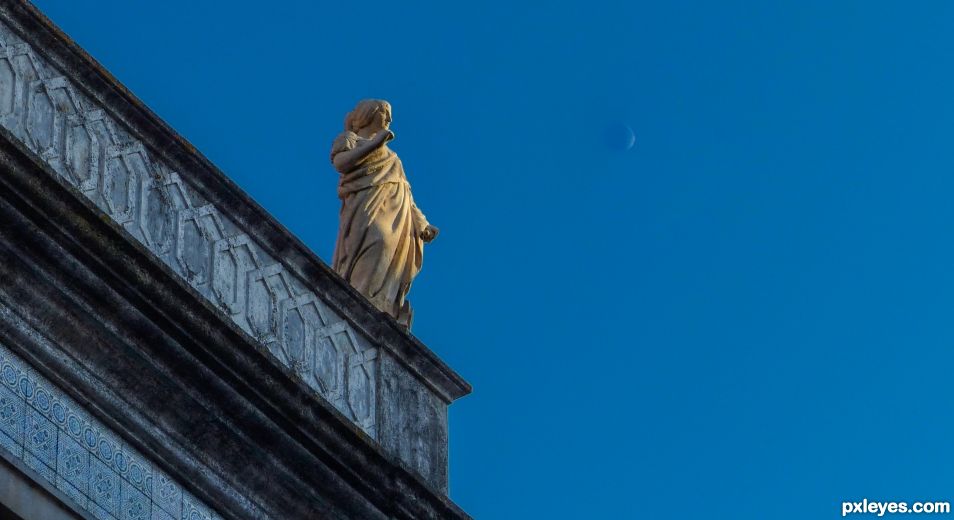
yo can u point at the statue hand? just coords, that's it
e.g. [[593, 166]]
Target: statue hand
[[384, 136], [429, 233]]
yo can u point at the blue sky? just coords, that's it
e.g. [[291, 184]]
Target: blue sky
[[747, 315]]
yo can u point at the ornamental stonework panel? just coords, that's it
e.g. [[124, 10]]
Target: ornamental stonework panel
[[88, 148]]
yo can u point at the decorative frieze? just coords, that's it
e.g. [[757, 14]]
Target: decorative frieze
[[63, 443], [94, 153]]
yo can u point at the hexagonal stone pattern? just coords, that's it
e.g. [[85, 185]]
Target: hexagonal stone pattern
[[101, 158], [66, 446]]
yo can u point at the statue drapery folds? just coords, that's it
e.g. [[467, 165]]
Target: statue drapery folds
[[381, 234]]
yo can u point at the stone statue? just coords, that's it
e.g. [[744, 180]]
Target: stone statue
[[381, 234]]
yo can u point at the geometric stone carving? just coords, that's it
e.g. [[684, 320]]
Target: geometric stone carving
[[301, 316], [157, 211], [84, 153], [196, 231], [348, 371], [24, 72], [158, 191], [232, 259], [360, 376], [329, 367], [104, 161], [42, 119], [6, 88], [98, 126], [266, 287], [297, 317], [126, 165]]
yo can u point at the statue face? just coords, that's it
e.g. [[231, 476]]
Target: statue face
[[382, 119]]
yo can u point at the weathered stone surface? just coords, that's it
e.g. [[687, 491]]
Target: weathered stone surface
[[154, 205], [149, 358], [411, 417], [100, 140]]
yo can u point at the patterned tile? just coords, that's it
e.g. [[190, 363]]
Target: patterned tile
[[166, 493], [192, 509], [42, 402], [66, 446], [72, 463], [135, 505], [99, 512], [69, 416], [90, 436], [25, 386], [11, 446], [39, 436], [139, 472], [11, 415], [108, 447], [104, 487], [9, 373], [159, 514], [71, 491], [58, 413], [38, 466]]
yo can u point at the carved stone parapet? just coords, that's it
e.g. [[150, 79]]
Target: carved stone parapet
[[102, 141]]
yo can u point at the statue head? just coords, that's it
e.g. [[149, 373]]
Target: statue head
[[375, 113]]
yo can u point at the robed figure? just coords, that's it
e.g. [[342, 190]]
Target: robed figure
[[381, 235]]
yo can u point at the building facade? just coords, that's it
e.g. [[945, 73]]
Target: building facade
[[167, 349]]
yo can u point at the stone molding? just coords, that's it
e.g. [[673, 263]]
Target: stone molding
[[151, 358], [94, 153], [93, 133]]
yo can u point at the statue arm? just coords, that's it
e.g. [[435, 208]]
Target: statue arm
[[347, 160], [425, 230], [419, 219]]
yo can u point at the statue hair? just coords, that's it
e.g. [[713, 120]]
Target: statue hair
[[363, 113]]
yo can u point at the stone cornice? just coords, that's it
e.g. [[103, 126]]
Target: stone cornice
[[164, 143], [154, 360]]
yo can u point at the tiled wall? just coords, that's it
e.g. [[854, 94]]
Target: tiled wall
[[52, 434]]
